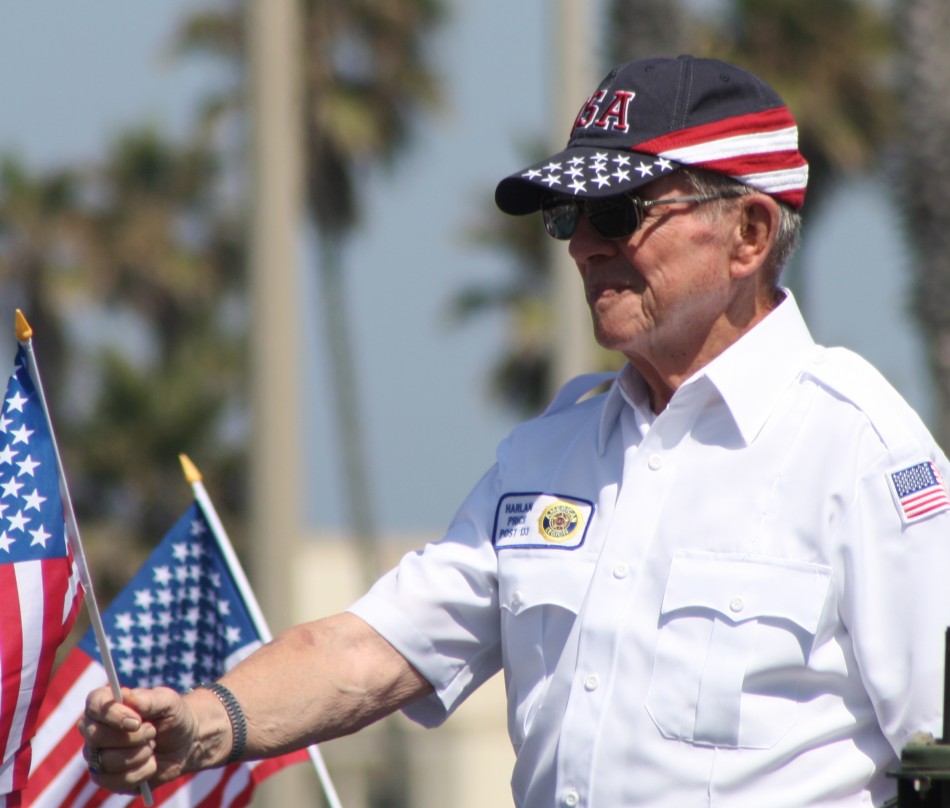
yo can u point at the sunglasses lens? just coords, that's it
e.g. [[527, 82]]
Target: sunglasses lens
[[611, 217], [614, 217], [560, 218]]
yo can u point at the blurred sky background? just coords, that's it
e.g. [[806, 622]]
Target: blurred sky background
[[73, 76]]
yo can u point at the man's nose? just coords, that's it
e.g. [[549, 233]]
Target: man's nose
[[586, 243]]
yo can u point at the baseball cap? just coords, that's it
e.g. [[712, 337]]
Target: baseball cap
[[650, 117]]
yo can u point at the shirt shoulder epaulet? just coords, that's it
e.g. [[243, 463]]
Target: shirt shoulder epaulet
[[855, 380], [575, 389]]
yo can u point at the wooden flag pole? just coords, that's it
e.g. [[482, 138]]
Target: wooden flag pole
[[194, 478], [24, 335]]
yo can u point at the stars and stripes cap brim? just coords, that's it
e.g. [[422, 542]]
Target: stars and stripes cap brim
[[650, 117], [580, 171]]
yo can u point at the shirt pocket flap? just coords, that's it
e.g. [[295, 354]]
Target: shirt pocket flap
[[742, 587], [529, 581]]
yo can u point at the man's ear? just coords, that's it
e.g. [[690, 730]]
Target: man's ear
[[755, 233]]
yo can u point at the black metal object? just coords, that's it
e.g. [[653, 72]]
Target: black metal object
[[923, 780]]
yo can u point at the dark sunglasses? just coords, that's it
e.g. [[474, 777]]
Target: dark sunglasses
[[617, 216]]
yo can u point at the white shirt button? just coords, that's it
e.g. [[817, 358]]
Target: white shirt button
[[736, 604], [571, 797], [655, 462], [621, 569], [591, 683], [517, 599]]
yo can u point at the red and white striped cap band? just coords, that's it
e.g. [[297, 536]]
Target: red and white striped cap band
[[651, 117]]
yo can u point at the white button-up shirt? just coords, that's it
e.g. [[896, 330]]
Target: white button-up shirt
[[740, 601]]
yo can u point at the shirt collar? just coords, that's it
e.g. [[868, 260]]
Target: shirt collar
[[750, 375]]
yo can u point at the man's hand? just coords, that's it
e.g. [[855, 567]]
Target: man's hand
[[145, 737]]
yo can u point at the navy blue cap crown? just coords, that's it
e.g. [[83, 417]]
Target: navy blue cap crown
[[650, 117]]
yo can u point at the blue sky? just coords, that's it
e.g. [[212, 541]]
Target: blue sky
[[74, 75]]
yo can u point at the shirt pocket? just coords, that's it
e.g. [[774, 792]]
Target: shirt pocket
[[540, 594], [734, 637]]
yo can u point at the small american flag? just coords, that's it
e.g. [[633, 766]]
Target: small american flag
[[920, 491], [180, 621], [39, 583]]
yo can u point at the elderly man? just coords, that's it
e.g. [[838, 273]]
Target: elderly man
[[721, 582]]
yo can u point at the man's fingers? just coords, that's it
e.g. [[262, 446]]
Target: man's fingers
[[116, 760], [103, 707], [124, 770], [111, 723], [145, 736]]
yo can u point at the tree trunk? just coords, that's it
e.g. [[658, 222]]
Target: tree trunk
[[924, 181]]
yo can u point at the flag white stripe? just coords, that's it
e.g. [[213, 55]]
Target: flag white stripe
[[116, 801], [6, 776], [90, 789], [236, 785], [65, 780], [788, 179], [29, 583], [242, 653], [73, 591], [6, 764], [737, 146], [47, 739]]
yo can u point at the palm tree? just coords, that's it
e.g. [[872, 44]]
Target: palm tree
[[365, 78], [137, 246], [924, 181], [37, 214], [365, 81]]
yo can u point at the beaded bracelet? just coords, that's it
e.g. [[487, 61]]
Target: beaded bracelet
[[235, 716]]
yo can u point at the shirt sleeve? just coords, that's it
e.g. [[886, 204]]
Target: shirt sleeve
[[439, 607], [894, 595]]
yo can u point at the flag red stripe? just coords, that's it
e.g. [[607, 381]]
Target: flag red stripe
[[240, 799], [926, 494], [215, 796], [31, 631], [13, 800], [926, 506], [56, 576], [754, 123], [60, 776], [72, 798], [754, 163], [59, 742], [11, 658]]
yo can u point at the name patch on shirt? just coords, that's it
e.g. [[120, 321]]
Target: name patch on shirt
[[918, 491], [533, 519]]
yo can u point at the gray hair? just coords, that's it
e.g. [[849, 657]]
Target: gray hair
[[788, 235]]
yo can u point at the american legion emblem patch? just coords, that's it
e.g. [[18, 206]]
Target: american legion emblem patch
[[537, 520]]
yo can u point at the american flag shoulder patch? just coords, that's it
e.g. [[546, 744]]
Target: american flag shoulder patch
[[918, 491]]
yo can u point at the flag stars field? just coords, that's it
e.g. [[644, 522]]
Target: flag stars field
[[176, 604]]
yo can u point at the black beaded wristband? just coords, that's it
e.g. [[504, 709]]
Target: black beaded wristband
[[235, 716]]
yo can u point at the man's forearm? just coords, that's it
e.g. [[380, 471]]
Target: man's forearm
[[316, 681]]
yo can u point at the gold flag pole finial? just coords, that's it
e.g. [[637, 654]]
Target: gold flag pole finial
[[192, 475], [23, 329]]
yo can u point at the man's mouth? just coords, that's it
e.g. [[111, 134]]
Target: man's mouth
[[599, 288]]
